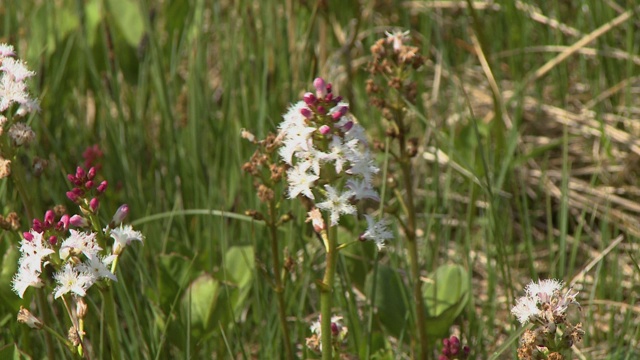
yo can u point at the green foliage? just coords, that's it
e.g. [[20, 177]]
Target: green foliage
[[165, 87]]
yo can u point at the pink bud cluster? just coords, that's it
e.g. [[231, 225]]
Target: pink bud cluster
[[50, 226], [84, 182], [92, 155], [452, 349], [323, 101]]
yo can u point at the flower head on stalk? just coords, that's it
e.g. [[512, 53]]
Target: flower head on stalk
[[546, 305], [79, 257], [323, 145]]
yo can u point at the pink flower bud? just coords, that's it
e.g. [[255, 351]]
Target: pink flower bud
[[53, 239], [92, 173], [329, 88], [80, 173], [73, 196], [328, 98], [321, 87], [322, 110], [306, 113], [71, 178], [337, 99], [37, 226], [335, 329], [79, 221], [63, 224], [88, 184], [102, 187], [27, 236], [49, 217], [348, 126], [338, 114], [309, 99], [120, 214], [324, 129], [93, 204]]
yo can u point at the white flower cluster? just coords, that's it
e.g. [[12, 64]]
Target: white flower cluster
[[13, 89], [322, 144], [544, 302], [79, 262]]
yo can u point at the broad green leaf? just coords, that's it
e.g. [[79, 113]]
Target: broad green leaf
[[445, 297], [128, 18], [239, 264], [200, 300], [389, 299]]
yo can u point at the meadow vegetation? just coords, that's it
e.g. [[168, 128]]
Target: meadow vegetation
[[504, 149]]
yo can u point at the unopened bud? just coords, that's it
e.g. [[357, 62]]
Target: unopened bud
[[338, 114], [80, 173], [92, 173], [81, 308], [79, 221], [53, 239], [306, 113], [26, 317], [49, 217], [73, 196], [324, 129], [321, 87], [88, 184], [27, 236], [63, 224], [93, 204], [120, 215], [102, 187], [309, 99]]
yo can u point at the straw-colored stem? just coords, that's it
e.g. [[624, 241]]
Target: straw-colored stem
[[326, 293]]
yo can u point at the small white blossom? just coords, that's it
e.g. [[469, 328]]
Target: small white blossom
[[300, 181], [362, 190], [377, 231], [79, 242], [337, 204], [526, 307], [34, 251], [123, 236], [97, 267], [73, 280], [24, 278]]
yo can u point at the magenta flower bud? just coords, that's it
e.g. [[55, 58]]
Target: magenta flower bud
[[445, 342], [322, 110], [446, 351], [321, 87], [328, 98], [348, 126], [53, 239], [443, 357], [466, 350], [309, 99], [63, 224], [102, 187], [454, 341], [335, 329], [72, 196], [324, 129], [27, 236], [337, 99], [80, 173], [79, 221], [93, 204], [71, 178], [120, 214], [338, 114], [306, 113], [88, 184], [37, 226], [49, 217], [92, 173], [329, 88]]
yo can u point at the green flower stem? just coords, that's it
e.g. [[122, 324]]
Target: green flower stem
[[412, 247], [279, 287], [326, 292], [111, 318]]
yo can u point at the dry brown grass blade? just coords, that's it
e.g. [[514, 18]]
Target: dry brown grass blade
[[536, 15], [544, 69], [497, 96], [596, 260]]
